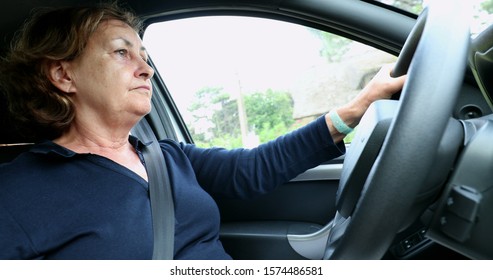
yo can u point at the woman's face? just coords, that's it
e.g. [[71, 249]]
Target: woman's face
[[111, 78]]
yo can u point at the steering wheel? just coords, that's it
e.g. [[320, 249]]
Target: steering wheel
[[396, 144]]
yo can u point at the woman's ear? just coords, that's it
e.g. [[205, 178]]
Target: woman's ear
[[60, 77]]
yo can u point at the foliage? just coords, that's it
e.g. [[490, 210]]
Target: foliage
[[214, 113], [269, 114], [216, 121]]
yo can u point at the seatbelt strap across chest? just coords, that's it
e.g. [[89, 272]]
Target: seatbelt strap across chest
[[161, 197]]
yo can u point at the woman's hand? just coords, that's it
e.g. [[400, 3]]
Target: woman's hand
[[382, 86]]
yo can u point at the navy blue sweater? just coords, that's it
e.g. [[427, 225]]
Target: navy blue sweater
[[57, 204]]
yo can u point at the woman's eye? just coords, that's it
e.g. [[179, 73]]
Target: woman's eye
[[122, 52]]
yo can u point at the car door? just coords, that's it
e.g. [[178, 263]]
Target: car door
[[240, 81]]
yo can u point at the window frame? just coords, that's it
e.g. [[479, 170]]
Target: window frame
[[326, 18]]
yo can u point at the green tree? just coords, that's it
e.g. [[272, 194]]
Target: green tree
[[269, 114], [216, 121], [269, 108], [214, 113]]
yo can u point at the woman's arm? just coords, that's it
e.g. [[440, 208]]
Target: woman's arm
[[382, 86], [245, 173]]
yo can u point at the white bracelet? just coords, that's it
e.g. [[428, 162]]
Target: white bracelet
[[338, 123]]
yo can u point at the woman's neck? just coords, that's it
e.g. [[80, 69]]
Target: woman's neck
[[83, 138], [111, 144]]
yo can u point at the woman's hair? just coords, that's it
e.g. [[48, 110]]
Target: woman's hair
[[50, 35]]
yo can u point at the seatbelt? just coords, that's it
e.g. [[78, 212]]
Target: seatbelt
[[162, 206]]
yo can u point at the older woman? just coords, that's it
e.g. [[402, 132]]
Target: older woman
[[81, 76]]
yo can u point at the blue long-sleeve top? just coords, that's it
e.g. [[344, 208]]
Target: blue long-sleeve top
[[58, 204]]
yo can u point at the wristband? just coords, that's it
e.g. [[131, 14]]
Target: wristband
[[338, 123]]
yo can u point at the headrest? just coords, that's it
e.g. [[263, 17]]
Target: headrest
[[5, 127], [9, 129]]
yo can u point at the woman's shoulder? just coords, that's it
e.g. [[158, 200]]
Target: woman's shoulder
[[175, 147], [33, 162], [19, 174]]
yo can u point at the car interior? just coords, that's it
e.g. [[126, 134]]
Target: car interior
[[415, 181]]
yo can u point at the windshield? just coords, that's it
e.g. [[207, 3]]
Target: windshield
[[482, 11]]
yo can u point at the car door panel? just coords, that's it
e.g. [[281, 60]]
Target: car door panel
[[286, 221]]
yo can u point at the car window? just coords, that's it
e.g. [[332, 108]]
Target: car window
[[242, 81]]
